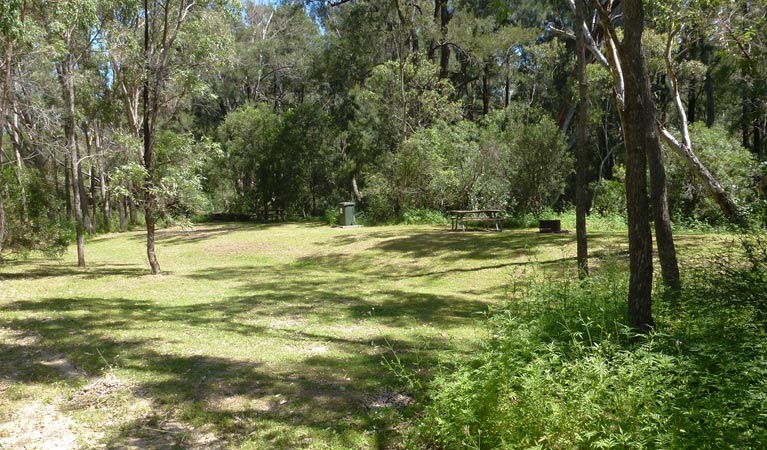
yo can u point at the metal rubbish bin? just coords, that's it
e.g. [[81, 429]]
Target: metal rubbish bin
[[346, 216]]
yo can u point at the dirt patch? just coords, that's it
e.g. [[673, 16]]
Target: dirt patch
[[388, 399], [156, 431], [42, 426], [108, 393]]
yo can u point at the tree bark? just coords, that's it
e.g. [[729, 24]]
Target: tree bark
[[66, 74], [581, 197], [131, 203], [443, 16], [93, 213], [105, 203], [16, 137], [149, 195], [67, 185], [708, 87], [485, 89], [638, 130], [4, 93], [121, 211], [83, 193], [2, 216], [4, 97]]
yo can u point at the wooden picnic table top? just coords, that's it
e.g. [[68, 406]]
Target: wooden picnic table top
[[474, 211]]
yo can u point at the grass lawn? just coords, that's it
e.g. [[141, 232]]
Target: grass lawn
[[255, 336]]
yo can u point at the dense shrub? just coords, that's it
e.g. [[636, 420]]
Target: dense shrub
[[732, 165], [533, 161], [32, 222], [558, 370], [423, 217]]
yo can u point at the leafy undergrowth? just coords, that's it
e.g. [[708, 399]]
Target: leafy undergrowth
[[561, 371]]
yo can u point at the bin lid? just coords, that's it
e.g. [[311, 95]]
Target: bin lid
[[346, 204]]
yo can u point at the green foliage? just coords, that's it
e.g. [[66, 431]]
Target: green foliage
[[534, 162], [733, 166], [179, 179], [610, 195], [437, 168], [9, 17], [558, 371], [423, 217], [332, 216], [399, 100], [247, 136], [272, 160], [32, 222]]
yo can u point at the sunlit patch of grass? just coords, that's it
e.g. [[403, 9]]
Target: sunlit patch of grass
[[261, 336]]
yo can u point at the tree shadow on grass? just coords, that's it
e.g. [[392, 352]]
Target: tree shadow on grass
[[229, 397], [93, 271], [212, 230], [469, 245]]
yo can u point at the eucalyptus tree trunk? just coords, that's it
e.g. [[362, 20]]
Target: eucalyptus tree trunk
[[105, 201], [83, 194], [2, 216], [67, 187], [3, 107], [92, 178], [121, 214], [581, 197], [442, 18], [638, 120], [66, 75], [16, 139], [149, 195], [708, 87], [664, 239]]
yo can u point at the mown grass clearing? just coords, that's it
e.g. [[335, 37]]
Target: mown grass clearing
[[255, 336]]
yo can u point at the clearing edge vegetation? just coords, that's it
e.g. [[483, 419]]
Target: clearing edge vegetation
[[304, 336]]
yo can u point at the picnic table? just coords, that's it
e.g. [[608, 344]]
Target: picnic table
[[459, 218]]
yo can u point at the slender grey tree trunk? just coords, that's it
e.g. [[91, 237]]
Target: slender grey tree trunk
[[4, 93], [149, 195], [121, 212], [105, 203], [66, 73], [67, 186], [708, 87], [83, 194], [581, 197]]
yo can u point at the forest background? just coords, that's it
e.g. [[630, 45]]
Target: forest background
[[402, 106]]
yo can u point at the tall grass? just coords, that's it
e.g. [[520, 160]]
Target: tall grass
[[559, 370]]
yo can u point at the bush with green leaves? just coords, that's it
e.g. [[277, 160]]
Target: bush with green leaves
[[560, 369], [438, 168], [731, 164], [534, 163], [32, 220], [423, 217]]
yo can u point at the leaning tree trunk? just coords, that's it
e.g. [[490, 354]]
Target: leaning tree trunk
[[581, 196], [637, 119], [715, 190]]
